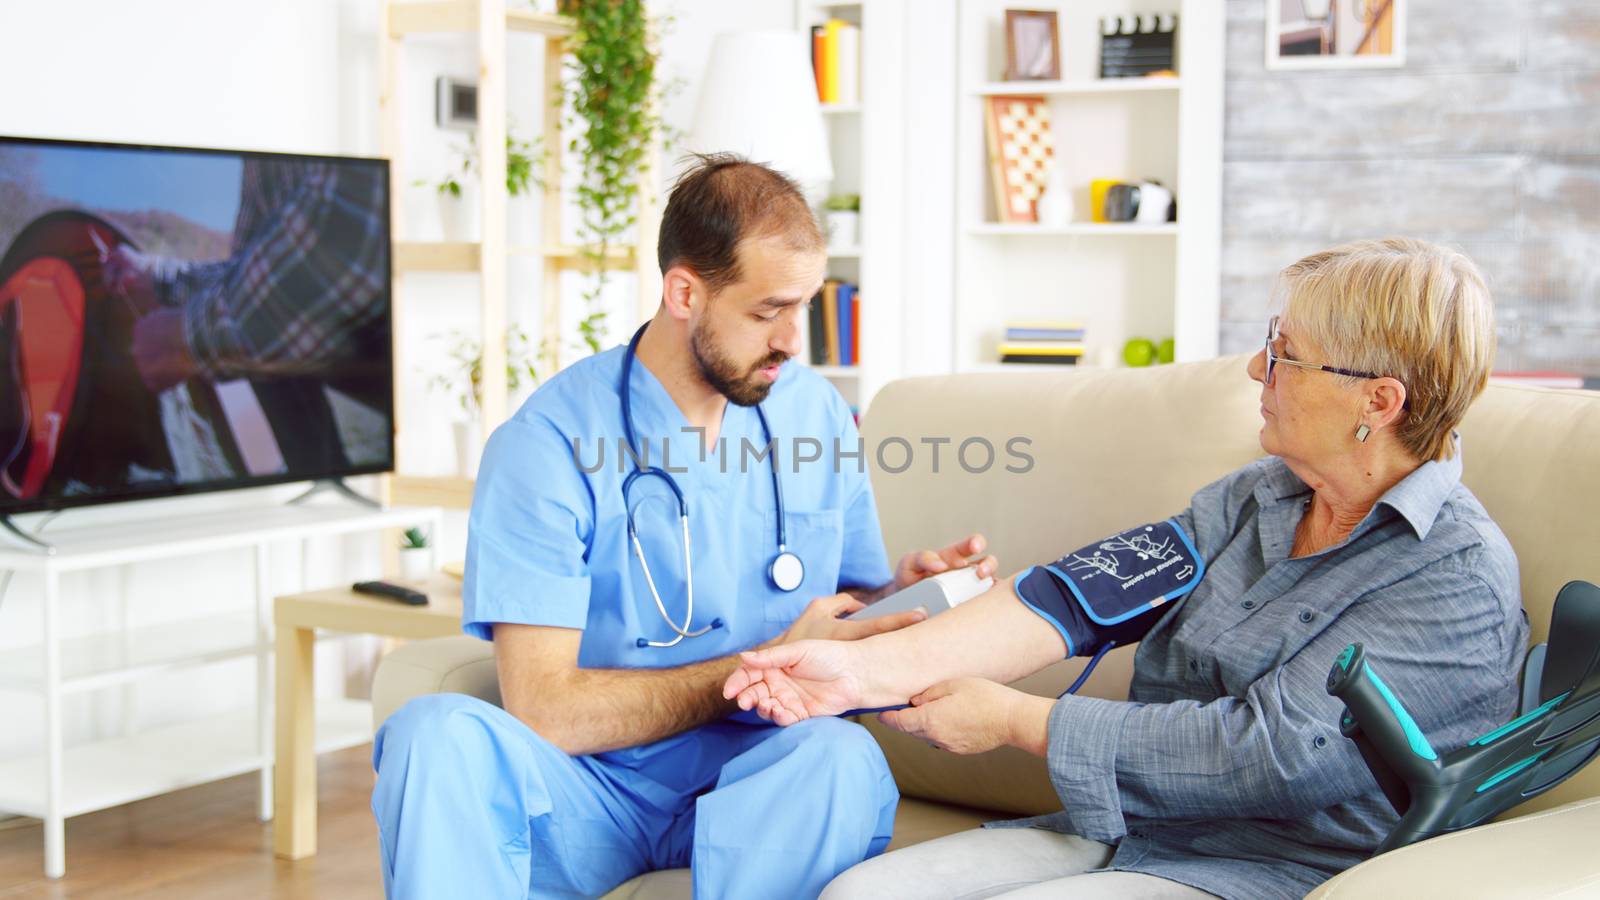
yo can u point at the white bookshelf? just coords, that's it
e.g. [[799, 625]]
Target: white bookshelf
[[1122, 280], [846, 123]]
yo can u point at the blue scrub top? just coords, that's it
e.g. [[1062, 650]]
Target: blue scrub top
[[547, 541]]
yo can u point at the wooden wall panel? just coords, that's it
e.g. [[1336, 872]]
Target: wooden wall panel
[[1487, 139]]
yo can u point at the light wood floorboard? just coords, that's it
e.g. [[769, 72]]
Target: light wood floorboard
[[205, 842]]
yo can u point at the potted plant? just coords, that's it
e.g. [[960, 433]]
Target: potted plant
[[843, 216], [463, 381], [416, 556], [458, 208]]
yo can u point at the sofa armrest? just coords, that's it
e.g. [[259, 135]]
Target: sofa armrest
[[1544, 854], [457, 665]]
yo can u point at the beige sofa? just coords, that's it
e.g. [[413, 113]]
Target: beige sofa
[[1113, 448]]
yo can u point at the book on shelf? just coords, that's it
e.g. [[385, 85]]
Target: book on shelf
[[1065, 348], [1044, 331], [833, 325], [1038, 359], [816, 325], [1041, 348], [836, 62], [830, 309]]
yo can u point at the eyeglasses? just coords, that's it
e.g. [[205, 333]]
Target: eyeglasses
[[1273, 359]]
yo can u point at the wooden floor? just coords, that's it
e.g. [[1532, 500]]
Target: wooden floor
[[206, 842]]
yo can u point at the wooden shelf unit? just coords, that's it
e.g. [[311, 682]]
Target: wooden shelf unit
[[488, 257]]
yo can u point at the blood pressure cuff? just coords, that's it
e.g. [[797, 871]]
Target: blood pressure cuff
[[1115, 589]]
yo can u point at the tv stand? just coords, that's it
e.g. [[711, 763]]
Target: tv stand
[[59, 781], [7, 524], [337, 486]]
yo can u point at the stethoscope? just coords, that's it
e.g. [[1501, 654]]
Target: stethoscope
[[786, 571]]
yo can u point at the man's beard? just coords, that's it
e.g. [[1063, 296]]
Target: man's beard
[[746, 388]]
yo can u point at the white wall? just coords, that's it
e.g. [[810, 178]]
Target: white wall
[[189, 72], [298, 76]]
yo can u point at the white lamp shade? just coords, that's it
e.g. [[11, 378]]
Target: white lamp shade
[[759, 99]]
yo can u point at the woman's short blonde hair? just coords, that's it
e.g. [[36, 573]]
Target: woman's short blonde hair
[[1404, 308]]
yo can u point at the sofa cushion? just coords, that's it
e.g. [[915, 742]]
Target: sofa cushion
[[1112, 448]]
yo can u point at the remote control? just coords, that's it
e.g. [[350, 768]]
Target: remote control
[[395, 592]]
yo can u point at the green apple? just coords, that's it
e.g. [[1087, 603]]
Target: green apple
[[1139, 352], [1167, 351]]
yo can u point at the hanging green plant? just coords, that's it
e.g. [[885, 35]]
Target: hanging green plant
[[613, 98]]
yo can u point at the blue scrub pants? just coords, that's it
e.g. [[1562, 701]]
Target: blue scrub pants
[[470, 802]]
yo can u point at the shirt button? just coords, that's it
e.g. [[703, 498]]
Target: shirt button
[[1248, 604], [1320, 742], [1194, 665], [1305, 615]]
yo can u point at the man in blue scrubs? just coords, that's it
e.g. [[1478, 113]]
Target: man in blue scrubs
[[615, 752]]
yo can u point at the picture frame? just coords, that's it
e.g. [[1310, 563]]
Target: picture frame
[[1335, 34], [455, 103], [1033, 45]]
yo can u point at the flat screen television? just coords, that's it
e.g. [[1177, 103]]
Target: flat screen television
[[176, 320]]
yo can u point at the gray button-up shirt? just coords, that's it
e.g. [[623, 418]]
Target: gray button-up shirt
[[1226, 769]]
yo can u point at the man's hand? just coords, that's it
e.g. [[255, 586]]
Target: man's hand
[[821, 621], [161, 351], [793, 682], [819, 632], [969, 715], [919, 564], [126, 273]]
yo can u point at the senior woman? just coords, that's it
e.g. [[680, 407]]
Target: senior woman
[[1225, 772]]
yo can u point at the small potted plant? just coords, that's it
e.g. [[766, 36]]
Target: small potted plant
[[415, 555], [843, 216], [458, 207], [463, 381]]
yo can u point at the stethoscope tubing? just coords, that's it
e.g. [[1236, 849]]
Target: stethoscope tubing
[[643, 471]]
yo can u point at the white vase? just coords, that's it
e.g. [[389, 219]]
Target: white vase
[[1055, 204], [458, 216], [469, 447], [521, 221], [843, 229], [415, 563]]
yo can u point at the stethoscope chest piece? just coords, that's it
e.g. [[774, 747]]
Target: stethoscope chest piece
[[786, 571]]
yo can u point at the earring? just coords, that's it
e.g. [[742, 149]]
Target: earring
[[1363, 432]]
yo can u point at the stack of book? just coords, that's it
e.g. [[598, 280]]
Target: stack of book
[[834, 331], [1054, 343], [836, 60]]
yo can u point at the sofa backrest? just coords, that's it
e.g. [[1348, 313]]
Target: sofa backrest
[[1114, 448]]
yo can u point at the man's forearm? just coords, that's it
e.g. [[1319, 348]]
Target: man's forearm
[[607, 709]]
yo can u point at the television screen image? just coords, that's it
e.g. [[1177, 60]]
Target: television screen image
[[176, 320]]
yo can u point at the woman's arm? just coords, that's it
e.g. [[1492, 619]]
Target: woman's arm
[[992, 636], [1276, 752]]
